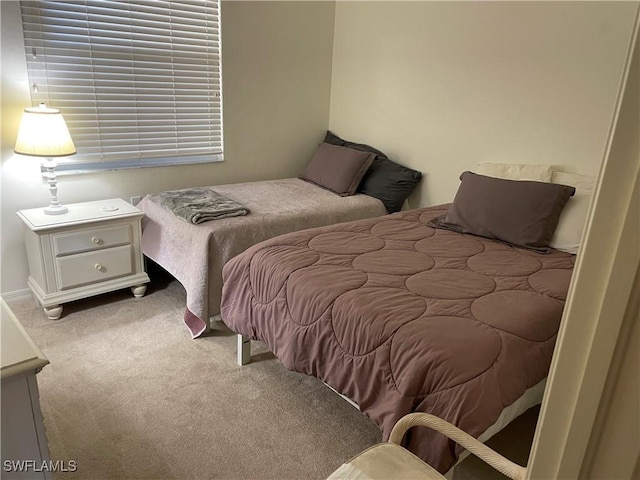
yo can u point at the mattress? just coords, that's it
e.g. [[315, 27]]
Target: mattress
[[195, 254], [401, 317]]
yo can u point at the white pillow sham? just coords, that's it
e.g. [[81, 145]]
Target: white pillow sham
[[574, 215], [516, 171]]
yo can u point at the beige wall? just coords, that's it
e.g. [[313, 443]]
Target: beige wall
[[440, 86], [276, 78]]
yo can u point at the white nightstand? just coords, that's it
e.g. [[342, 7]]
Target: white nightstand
[[93, 248]]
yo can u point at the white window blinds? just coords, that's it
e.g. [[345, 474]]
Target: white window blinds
[[137, 82]]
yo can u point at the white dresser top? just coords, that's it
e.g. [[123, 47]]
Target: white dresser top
[[18, 352], [79, 213]]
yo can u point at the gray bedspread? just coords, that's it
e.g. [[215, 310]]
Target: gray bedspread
[[195, 254], [199, 204]]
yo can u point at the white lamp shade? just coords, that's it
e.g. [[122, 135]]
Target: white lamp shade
[[44, 133]]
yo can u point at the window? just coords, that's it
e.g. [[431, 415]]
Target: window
[[138, 82]]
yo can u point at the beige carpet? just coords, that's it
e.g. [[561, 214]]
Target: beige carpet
[[129, 394]]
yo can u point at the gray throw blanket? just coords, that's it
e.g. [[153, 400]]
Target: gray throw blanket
[[197, 205]]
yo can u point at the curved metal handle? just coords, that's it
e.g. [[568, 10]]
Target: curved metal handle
[[99, 267]]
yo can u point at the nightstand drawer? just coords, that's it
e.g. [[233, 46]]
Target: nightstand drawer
[[94, 267], [91, 239]]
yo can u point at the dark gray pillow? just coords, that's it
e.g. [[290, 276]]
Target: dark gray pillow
[[519, 212], [385, 180], [333, 139], [338, 169]]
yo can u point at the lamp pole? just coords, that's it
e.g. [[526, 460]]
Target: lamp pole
[[54, 208]]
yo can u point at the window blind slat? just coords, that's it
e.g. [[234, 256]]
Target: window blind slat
[[134, 80]]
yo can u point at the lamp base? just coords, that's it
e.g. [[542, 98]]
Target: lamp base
[[56, 210]]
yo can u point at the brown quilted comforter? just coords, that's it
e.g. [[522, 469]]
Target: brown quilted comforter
[[401, 317]]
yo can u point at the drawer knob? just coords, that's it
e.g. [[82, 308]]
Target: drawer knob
[[99, 267], [95, 240]]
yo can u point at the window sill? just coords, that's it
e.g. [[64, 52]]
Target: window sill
[[74, 168]]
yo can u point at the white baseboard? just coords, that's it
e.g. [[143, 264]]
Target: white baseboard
[[16, 295]]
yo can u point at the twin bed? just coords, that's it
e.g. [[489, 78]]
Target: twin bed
[[425, 310], [195, 253]]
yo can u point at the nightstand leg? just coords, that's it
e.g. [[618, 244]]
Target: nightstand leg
[[53, 312], [138, 290]]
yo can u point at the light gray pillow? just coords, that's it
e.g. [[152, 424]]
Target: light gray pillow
[[338, 169], [520, 212], [516, 171], [574, 216]]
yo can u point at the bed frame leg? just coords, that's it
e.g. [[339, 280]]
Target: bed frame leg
[[244, 350]]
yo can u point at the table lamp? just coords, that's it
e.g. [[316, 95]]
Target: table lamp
[[44, 133]]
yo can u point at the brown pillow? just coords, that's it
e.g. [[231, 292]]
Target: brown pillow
[[338, 169], [519, 212]]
